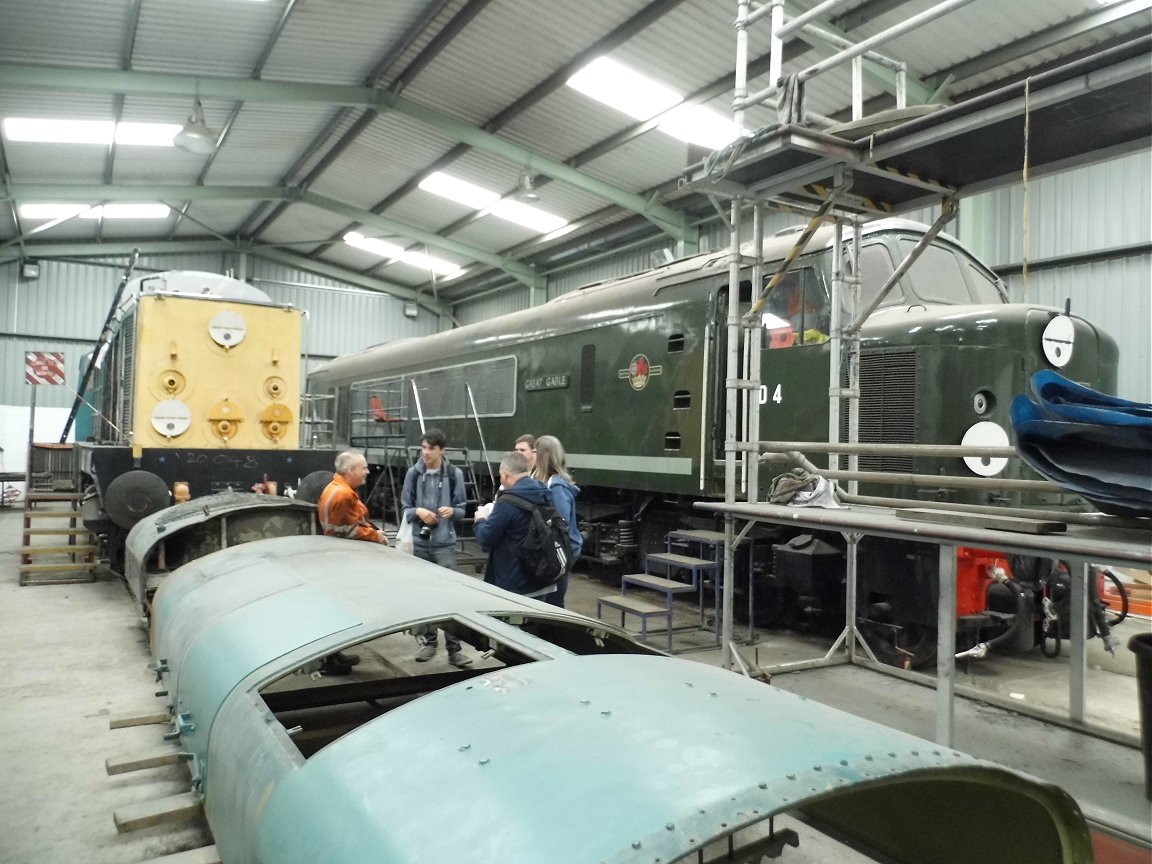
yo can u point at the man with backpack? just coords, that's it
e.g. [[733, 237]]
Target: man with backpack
[[433, 500], [503, 528]]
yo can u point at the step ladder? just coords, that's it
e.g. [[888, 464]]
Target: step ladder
[[705, 544], [55, 548], [694, 572]]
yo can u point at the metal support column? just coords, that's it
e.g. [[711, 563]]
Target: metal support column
[[946, 646]]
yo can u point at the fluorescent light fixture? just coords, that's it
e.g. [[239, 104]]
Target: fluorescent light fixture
[[624, 89], [527, 215], [102, 132], [370, 244], [641, 98], [427, 262], [460, 191], [146, 134], [129, 211], [34, 212], [59, 131], [479, 198], [700, 125], [398, 253]]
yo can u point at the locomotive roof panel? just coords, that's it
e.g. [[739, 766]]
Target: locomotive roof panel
[[594, 305], [557, 756], [194, 284]]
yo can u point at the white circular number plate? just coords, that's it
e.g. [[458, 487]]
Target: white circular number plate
[[228, 328], [171, 418], [1058, 340], [985, 434]]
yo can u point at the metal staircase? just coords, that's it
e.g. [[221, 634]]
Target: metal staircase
[[676, 574]]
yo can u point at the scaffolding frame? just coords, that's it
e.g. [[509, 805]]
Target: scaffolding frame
[[798, 165]]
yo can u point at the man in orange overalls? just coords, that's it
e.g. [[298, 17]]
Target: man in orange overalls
[[343, 514]]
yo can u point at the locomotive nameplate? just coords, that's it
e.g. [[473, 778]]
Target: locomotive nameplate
[[546, 382]]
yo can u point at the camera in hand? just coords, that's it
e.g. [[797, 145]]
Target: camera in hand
[[425, 531]]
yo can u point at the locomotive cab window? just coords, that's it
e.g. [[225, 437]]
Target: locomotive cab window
[[875, 269], [937, 276], [797, 311]]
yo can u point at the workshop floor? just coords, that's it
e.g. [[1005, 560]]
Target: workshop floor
[[75, 656]]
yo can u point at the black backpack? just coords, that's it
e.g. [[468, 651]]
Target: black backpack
[[544, 555]]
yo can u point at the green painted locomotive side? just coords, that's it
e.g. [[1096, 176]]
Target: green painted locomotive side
[[630, 374]]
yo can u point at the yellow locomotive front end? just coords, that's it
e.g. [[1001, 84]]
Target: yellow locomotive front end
[[197, 391], [211, 374]]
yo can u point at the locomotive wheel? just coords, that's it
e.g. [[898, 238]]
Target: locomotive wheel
[[912, 646]]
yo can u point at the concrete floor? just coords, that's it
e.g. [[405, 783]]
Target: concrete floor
[[75, 656]]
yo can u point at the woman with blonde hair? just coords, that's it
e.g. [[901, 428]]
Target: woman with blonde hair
[[551, 471]]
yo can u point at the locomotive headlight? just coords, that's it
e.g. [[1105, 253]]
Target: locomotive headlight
[[171, 418], [1058, 341], [983, 402], [227, 328], [985, 434]]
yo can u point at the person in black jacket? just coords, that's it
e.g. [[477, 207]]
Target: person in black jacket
[[501, 527]]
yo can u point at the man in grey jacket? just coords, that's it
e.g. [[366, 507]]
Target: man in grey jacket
[[433, 500]]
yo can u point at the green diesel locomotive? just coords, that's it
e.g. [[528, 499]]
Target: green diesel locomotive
[[630, 375]]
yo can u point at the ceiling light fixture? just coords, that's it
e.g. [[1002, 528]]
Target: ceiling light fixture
[[511, 209], [394, 252], [41, 212], [525, 191], [196, 137], [101, 132], [642, 98]]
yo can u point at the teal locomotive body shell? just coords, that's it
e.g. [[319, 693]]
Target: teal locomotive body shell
[[565, 741]]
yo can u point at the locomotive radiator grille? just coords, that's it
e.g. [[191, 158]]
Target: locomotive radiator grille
[[888, 389], [124, 380]]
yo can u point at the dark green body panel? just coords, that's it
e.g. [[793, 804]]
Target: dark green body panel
[[922, 364]]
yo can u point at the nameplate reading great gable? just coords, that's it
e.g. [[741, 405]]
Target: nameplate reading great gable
[[546, 382]]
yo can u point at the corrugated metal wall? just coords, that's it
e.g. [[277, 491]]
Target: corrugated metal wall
[[492, 306], [65, 308], [1116, 296], [1088, 210]]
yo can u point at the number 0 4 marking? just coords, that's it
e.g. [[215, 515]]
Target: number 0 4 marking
[[777, 395]]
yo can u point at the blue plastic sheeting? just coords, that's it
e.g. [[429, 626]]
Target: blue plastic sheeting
[[1095, 445]]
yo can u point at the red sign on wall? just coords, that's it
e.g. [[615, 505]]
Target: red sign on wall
[[44, 367]]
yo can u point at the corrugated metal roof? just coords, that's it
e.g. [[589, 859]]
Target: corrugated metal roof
[[63, 32], [383, 157], [202, 37], [469, 68], [318, 45], [517, 43], [263, 141]]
